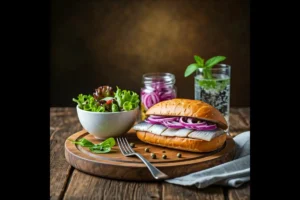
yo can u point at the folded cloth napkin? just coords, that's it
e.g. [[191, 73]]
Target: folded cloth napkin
[[232, 174]]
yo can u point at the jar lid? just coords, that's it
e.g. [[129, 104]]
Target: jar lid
[[166, 78]]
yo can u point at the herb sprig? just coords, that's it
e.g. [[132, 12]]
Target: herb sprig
[[103, 147], [206, 66], [208, 80]]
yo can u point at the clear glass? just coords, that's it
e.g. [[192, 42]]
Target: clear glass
[[213, 87], [157, 87]]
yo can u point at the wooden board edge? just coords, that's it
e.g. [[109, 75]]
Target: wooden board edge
[[72, 149], [113, 170]]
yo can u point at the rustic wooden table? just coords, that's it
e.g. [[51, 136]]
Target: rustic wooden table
[[69, 183]]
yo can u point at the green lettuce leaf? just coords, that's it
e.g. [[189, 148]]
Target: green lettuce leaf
[[127, 100]]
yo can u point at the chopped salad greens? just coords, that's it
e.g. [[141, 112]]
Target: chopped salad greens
[[105, 99]]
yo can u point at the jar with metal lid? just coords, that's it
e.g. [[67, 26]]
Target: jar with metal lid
[[157, 87]]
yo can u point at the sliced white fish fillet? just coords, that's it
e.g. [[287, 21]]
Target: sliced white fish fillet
[[142, 126], [169, 132], [206, 135], [176, 132], [157, 129], [163, 130], [183, 132]]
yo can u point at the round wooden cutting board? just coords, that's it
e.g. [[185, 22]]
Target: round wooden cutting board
[[116, 166]]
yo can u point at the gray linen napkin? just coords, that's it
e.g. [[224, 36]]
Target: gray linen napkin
[[233, 173]]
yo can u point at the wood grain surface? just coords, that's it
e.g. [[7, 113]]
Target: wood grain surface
[[241, 193], [69, 183], [178, 192], [85, 186], [63, 123]]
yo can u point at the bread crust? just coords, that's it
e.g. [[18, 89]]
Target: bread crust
[[186, 144], [189, 108]]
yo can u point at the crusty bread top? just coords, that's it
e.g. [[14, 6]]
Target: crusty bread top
[[188, 108]]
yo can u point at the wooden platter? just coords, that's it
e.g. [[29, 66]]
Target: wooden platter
[[116, 166]]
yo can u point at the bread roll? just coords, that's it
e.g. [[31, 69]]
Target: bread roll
[[186, 144], [184, 108], [189, 108]]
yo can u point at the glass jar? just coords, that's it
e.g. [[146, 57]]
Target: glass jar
[[157, 87], [213, 87]]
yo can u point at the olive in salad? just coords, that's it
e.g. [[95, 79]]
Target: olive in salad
[[105, 99]]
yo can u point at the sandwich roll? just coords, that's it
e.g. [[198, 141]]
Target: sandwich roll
[[184, 124], [186, 144]]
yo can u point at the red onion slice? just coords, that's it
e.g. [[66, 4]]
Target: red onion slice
[[206, 127], [179, 122], [150, 99], [172, 124], [161, 119], [144, 99], [156, 116], [160, 93], [151, 122], [190, 122]]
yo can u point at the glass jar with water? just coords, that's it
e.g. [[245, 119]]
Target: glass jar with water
[[213, 87]]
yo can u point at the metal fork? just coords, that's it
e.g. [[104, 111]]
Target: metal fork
[[128, 151]]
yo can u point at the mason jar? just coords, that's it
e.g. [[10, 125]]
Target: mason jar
[[213, 87], [156, 87]]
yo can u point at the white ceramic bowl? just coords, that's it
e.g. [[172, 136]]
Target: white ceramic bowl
[[103, 125]]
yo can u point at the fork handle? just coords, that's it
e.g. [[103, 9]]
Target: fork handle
[[156, 173]]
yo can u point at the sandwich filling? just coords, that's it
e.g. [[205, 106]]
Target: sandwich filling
[[179, 127]]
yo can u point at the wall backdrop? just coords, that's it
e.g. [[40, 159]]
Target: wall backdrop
[[111, 42]]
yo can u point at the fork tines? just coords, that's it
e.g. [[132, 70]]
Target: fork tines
[[124, 146]]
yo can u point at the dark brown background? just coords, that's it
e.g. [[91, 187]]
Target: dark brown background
[[114, 42]]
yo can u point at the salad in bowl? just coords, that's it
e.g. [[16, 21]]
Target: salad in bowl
[[107, 112]]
